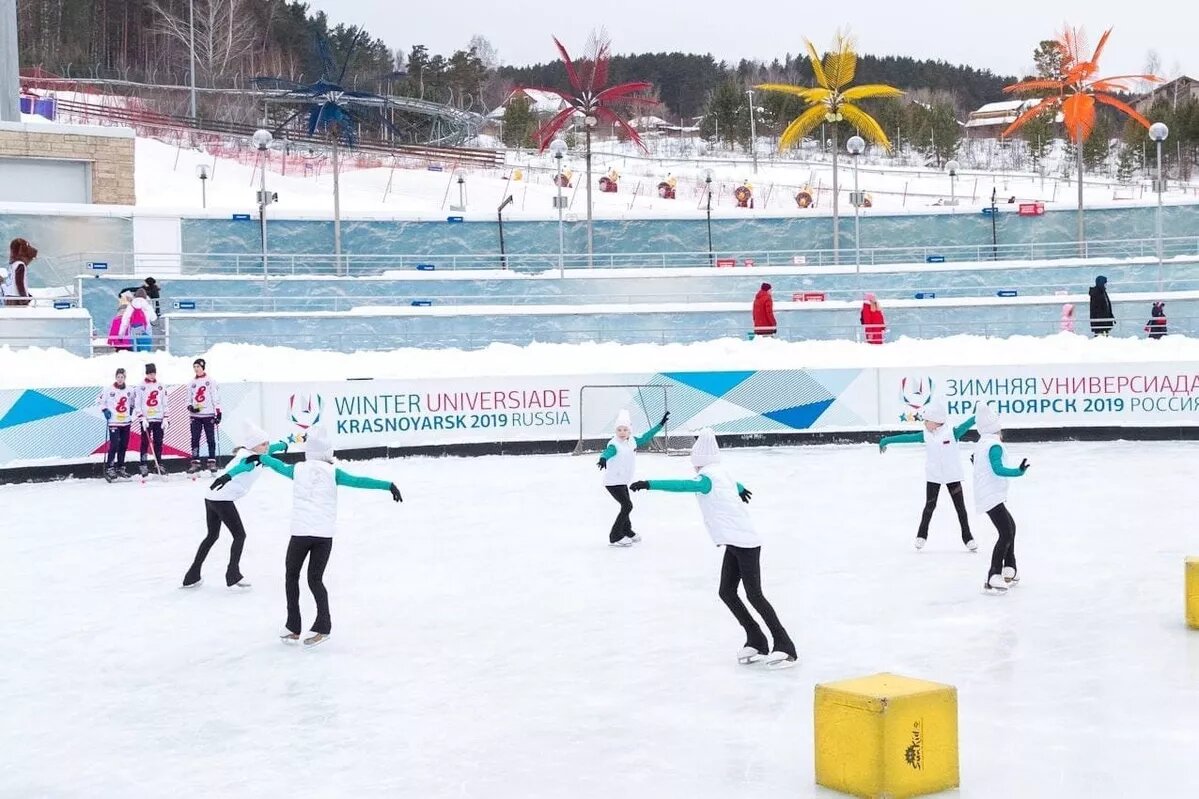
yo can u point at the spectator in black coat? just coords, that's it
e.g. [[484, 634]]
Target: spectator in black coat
[[1102, 318], [1156, 327]]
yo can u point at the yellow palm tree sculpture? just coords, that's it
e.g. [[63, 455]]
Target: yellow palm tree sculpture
[[834, 100]]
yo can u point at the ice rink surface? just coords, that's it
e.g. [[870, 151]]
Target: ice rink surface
[[488, 643]]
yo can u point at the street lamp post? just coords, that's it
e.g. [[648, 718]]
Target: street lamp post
[[558, 148], [202, 174], [753, 130], [856, 146], [708, 191], [1159, 132], [262, 139], [952, 167], [589, 123], [500, 215]]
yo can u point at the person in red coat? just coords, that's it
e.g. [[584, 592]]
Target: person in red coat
[[874, 324], [764, 322]]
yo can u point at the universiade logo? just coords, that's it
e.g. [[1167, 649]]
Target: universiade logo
[[917, 392], [305, 410], [914, 754]]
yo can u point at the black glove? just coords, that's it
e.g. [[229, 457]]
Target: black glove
[[640, 485], [746, 495], [255, 458], [218, 417], [602, 463], [220, 482], [395, 493], [1024, 466], [194, 408], [665, 416]]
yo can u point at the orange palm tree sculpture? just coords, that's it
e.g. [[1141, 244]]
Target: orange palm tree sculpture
[[1075, 92]]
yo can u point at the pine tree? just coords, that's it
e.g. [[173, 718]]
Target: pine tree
[[519, 122], [1129, 164]]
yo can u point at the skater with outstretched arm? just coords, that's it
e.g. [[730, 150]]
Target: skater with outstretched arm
[[942, 467], [313, 523], [722, 503], [991, 478], [618, 462]]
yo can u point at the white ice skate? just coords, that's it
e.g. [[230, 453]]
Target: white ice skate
[[196, 584], [780, 660], [316, 638], [624, 543], [995, 584], [1010, 576], [972, 545], [920, 542], [748, 655], [636, 539], [289, 637], [241, 585]]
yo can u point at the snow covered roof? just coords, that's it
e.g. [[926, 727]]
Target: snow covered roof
[[647, 122], [541, 103], [1002, 113]]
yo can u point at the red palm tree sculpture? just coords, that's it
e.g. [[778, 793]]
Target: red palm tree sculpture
[[592, 99]]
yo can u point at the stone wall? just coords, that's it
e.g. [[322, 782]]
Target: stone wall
[[111, 156]]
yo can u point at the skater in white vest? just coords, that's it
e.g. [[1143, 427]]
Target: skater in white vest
[[722, 503], [313, 523], [942, 467], [618, 462], [990, 497]]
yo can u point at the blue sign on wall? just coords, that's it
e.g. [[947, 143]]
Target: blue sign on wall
[[422, 303], [426, 267], [63, 305], [1007, 292], [241, 217], [185, 305], [455, 220], [98, 266], [926, 295], [935, 259]]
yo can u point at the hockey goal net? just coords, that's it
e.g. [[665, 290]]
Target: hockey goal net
[[599, 407]]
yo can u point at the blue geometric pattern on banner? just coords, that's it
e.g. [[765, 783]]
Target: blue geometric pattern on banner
[[836, 381], [716, 384], [31, 406], [800, 417], [770, 391]]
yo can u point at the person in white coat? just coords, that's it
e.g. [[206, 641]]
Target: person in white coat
[[991, 478], [139, 315], [618, 462], [942, 467], [722, 502], [313, 523]]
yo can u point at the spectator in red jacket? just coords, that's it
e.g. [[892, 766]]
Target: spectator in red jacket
[[874, 324], [13, 285], [764, 321]]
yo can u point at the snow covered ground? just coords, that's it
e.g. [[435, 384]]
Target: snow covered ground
[[487, 643], [29, 367]]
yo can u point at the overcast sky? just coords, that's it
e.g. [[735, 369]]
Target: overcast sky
[[1000, 34]]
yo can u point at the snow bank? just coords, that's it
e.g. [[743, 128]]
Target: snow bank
[[234, 362]]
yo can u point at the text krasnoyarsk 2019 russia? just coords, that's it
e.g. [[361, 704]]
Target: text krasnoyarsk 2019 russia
[[1144, 393], [451, 410]]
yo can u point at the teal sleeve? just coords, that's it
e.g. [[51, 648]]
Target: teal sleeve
[[649, 436], [740, 488], [609, 452], [995, 456], [963, 428], [285, 469], [902, 438], [354, 481], [700, 485], [278, 446]]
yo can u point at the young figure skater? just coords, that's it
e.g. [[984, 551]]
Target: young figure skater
[[313, 523], [204, 406], [722, 503], [117, 404], [219, 507], [942, 467], [990, 495], [619, 463]]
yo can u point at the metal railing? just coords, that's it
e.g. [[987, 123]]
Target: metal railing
[[325, 264]]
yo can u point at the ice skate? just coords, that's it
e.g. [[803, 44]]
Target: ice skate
[[636, 539], [110, 475], [780, 660], [193, 468], [1010, 576], [289, 637], [623, 543], [749, 655], [316, 638], [194, 584], [212, 466], [144, 471], [995, 584], [971, 544], [920, 542], [122, 473], [242, 584]]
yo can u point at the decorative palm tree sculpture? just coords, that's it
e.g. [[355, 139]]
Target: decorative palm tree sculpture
[[1075, 93], [594, 101], [833, 100]]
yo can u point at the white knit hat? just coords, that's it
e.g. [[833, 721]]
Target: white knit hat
[[252, 435], [986, 419], [319, 446], [705, 451], [935, 412], [623, 419]]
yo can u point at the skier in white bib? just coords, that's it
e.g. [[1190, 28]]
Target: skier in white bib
[[942, 467], [990, 497], [722, 503], [618, 462]]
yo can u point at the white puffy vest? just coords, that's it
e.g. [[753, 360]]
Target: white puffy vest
[[989, 488], [942, 462], [314, 499], [725, 515], [240, 485], [9, 286], [623, 465]]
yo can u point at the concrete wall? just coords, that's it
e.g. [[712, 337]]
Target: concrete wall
[[108, 150]]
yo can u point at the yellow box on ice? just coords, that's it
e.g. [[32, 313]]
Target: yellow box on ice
[[1192, 593], [886, 736]]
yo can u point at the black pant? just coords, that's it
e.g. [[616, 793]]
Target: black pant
[[1004, 553], [931, 490], [218, 512], [152, 431], [623, 526], [317, 551], [118, 442], [742, 565], [207, 425]]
